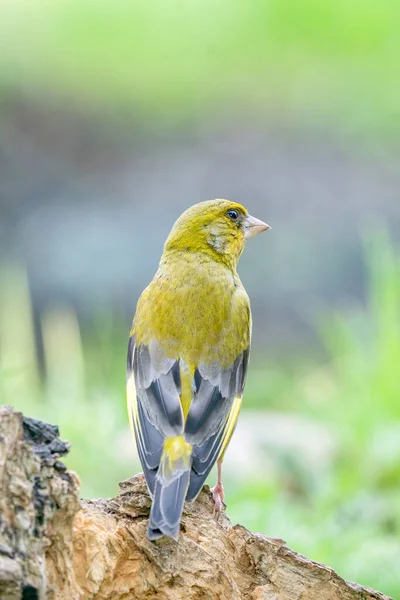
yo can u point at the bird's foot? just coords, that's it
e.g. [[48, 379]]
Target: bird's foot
[[218, 496]]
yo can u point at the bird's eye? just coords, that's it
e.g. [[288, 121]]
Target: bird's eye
[[233, 214]]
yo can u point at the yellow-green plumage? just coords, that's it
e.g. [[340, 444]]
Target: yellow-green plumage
[[196, 308], [196, 305], [188, 356]]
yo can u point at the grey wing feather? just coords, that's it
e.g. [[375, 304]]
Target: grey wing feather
[[207, 420], [156, 407], [159, 411]]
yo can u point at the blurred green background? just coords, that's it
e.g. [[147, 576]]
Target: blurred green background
[[116, 116]]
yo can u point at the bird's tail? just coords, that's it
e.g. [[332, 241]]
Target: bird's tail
[[171, 484]]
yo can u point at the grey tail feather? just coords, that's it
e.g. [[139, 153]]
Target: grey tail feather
[[167, 506]]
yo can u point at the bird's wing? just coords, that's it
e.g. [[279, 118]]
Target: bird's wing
[[154, 403], [154, 408], [212, 416]]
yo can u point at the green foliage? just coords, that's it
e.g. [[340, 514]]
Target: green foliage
[[333, 62], [339, 505]]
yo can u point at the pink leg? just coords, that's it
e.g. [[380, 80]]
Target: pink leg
[[218, 492]]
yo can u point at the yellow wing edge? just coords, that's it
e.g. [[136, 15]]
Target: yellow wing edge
[[230, 425]]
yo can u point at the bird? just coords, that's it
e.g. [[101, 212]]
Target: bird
[[187, 358]]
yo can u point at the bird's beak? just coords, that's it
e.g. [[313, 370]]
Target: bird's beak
[[253, 226]]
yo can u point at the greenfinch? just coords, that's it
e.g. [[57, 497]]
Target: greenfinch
[[187, 358]]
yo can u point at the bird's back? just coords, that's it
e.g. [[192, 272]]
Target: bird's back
[[196, 309]]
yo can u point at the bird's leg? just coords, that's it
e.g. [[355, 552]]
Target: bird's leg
[[218, 492]]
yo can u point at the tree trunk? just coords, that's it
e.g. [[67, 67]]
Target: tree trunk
[[54, 546]]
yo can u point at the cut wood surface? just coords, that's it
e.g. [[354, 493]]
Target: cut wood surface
[[55, 546]]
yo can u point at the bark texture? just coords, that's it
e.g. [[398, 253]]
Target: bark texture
[[54, 546]]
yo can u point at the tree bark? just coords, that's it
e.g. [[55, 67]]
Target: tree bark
[[54, 546]]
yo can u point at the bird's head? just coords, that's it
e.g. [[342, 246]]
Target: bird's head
[[216, 227]]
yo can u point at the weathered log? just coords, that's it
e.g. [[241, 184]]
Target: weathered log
[[54, 546]]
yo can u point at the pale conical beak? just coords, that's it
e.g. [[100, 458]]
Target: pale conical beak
[[253, 226]]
